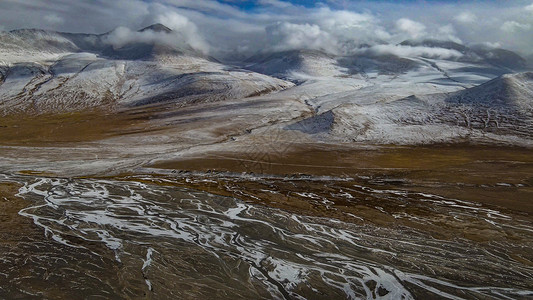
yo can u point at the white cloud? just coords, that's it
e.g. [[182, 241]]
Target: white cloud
[[412, 28], [184, 26], [513, 26], [491, 45], [122, 36], [408, 51], [466, 17], [53, 19], [289, 36], [529, 7], [184, 34], [447, 32], [346, 25], [275, 3]]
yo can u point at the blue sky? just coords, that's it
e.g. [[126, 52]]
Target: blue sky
[[254, 4], [251, 4]]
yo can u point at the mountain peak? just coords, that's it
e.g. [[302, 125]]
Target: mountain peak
[[508, 90], [158, 27]]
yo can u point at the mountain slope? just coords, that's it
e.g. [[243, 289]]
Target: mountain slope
[[370, 96], [497, 57], [443, 63], [294, 63], [51, 72], [499, 110]]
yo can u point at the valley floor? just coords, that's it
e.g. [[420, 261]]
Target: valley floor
[[255, 211]]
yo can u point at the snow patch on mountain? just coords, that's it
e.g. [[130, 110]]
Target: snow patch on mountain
[[500, 110]]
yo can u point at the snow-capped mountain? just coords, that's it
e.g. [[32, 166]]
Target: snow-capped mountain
[[43, 71], [446, 57], [497, 57], [500, 110], [414, 92]]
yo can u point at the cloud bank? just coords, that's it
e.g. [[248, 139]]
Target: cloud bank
[[410, 51], [224, 30]]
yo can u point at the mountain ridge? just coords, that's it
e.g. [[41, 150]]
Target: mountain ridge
[[368, 96]]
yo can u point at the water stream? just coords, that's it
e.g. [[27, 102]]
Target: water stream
[[164, 242]]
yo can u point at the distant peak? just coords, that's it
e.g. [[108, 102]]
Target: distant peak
[[157, 28]]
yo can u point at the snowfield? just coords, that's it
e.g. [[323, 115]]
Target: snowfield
[[372, 97], [500, 111]]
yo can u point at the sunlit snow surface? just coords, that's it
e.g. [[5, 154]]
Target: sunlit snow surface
[[204, 241]]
